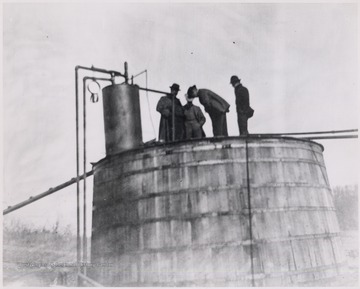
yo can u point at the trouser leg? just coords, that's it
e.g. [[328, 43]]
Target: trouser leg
[[219, 124], [192, 130], [224, 122], [216, 124], [197, 132], [242, 123], [188, 130]]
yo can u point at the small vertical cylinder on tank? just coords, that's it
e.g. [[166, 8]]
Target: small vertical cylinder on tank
[[122, 119]]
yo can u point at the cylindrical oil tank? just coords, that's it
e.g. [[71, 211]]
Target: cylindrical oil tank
[[122, 120], [235, 211]]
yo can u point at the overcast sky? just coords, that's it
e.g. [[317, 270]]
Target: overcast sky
[[299, 62]]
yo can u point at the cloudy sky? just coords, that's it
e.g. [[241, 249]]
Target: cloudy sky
[[299, 62]]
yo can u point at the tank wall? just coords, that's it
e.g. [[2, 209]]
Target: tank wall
[[180, 215], [122, 119]]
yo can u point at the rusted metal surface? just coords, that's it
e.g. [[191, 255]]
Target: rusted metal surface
[[178, 215], [122, 119]]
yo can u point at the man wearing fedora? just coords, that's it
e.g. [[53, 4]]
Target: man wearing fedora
[[243, 109], [165, 108], [215, 106]]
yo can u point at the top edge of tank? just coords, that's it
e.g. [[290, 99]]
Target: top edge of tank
[[169, 145], [120, 85]]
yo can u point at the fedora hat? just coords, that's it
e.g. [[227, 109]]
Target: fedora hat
[[234, 79], [175, 86]]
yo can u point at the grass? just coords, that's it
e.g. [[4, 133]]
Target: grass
[[37, 257]]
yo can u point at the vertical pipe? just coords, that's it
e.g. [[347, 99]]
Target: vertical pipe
[[84, 183], [147, 98], [126, 75], [250, 215], [173, 117], [77, 176]]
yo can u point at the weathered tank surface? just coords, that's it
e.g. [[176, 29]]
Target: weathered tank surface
[[179, 214], [122, 121]]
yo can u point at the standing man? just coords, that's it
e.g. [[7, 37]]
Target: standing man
[[215, 106], [243, 109], [194, 119], [166, 106]]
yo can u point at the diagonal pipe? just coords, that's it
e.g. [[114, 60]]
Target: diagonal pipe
[[42, 195]]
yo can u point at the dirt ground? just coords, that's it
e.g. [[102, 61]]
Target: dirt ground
[[18, 275]]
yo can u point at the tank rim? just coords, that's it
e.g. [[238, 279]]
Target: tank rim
[[210, 139]]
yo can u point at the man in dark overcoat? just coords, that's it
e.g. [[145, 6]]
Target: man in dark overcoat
[[194, 119], [165, 108], [215, 106], [243, 109]]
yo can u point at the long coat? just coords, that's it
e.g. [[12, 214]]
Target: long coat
[[243, 109], [212, 102], [164, 106], [242, 99], [216, 107], [194, 121]]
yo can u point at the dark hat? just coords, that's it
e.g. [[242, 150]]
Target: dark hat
[[234, 79], [175, 86], [191, 92]]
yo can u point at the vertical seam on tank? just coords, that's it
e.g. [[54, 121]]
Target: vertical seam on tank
[[293, 254], [249, 208], [333, 251], [328, 184], [326, 180]]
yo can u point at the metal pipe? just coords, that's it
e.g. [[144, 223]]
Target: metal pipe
[[42, 195], [77, 174], [250, 216], [84, 170], [330, 137], [173, 117], [136, 75], [85, 79], [92, 68], [98, 78], [153, 90], [112, 74], [126, 75], [316, 132], [147, 96]]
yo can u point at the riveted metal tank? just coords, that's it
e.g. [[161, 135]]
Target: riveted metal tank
[[122, 119], [234, 211]]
